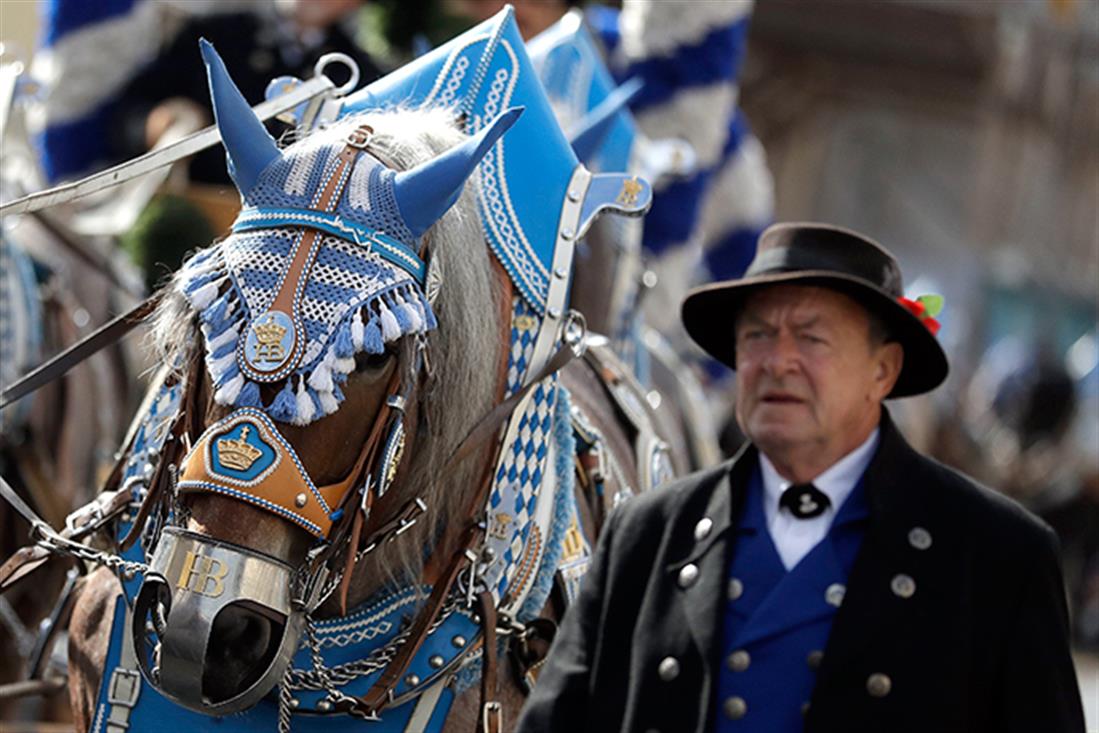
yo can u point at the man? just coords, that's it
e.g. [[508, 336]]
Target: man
[[828, 578]]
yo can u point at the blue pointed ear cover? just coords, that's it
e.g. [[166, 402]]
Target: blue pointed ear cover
[[427, 191], [575, 76], [589, 135], [248, 146]]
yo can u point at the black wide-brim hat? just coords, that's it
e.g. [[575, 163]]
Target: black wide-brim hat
[[826, 256]]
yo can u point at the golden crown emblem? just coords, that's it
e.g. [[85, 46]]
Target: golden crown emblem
[[270, 332], [238, 454], [269, 337]]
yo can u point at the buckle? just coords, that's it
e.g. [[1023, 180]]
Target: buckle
[[360, 136], [492, 717], [125, 687]]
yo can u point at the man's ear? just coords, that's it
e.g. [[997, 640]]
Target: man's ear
[[890, 359]]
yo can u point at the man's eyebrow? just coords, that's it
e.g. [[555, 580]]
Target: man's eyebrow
[[809, 322]]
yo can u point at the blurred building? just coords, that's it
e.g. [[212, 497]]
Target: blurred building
[[961, 134]]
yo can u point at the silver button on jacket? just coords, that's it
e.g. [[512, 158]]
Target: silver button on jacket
[[878, 684], [736, 589], [903, 585], [735, 707], [668, 669], [688, 574], [919, 538], [702, 529]]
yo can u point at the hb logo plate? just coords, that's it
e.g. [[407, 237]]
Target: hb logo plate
[[203, 575]]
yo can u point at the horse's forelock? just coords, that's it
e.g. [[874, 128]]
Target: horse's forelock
[[465, 351]]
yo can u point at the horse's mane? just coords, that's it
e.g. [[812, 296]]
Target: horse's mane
[[464, 352]]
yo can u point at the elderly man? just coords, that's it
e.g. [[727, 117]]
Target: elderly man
[[828, 578]]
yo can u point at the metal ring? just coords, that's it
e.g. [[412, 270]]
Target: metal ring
[[574, 331], [330, 58]]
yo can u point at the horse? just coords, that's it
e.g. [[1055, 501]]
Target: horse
[[398, 426], [612, 283]]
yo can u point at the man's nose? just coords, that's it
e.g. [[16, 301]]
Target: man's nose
[[782, 355]]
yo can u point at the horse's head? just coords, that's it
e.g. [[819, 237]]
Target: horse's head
[[313, 343]]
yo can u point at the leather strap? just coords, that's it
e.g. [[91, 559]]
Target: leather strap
[[492, 716], [378, 695], [94, 342], [486, 429]]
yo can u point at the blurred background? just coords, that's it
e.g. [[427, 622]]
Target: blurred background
[[962, 135]]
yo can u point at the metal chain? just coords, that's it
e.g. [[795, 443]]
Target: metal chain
[[328, 679], [117, 563]]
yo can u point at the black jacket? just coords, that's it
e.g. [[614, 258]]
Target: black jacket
[[981, 647]]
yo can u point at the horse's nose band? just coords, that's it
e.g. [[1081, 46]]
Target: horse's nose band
[[193, 579], [244, 456]]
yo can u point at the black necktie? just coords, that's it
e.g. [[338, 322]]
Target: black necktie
[[804, 501]]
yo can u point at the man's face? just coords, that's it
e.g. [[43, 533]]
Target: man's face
[[809, 381]]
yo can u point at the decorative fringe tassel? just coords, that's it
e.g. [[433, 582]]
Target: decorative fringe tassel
[[249, 396], [306, 408], [372, 337], [391, 330], [285, 406], [228, 392], [357, 329]]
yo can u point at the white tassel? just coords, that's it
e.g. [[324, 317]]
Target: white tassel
[[391, 330], [228, 392], [306, 408], [226, 336], [344, 366], [321, 378], [357, 330], [217, 367], [205, 295], [328, 402]]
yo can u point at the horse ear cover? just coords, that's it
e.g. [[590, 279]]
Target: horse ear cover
[[248, 146], [427, 191], [595, 125]]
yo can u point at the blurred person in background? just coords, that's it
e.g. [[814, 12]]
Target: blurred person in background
[[116, 75]]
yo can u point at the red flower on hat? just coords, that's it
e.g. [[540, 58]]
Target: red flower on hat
[[925, 308]]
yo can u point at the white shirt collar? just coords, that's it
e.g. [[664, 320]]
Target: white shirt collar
[[837, 481]]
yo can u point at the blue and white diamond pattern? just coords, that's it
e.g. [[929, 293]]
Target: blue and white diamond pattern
[[522, 468], [524, 332], [520, 474]]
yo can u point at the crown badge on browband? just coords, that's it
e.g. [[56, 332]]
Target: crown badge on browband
[[324, 259], [236, 453]]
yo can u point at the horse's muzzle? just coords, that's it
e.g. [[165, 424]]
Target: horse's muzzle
[[196, 588]]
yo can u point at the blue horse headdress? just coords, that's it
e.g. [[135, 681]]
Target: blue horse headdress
[[590, 106], [323, 261], [531, 181]]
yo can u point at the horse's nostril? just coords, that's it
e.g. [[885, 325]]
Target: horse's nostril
[[242, 645]]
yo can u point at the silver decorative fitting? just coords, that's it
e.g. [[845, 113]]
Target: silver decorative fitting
[[147, 470], [412, 680], [574, 195], [459, 642], [561, 273], [295, 703], [488, 555], [396, 401], [299, 500], [649, 279], [325, 706], [566, 234], [436, 662], [554, 313]]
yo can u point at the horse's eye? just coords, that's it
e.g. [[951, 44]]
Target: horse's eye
[[365, 362]]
